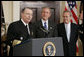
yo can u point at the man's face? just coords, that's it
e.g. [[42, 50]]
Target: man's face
[[45, 13], [81, 15], [66, 17], [27, 15]]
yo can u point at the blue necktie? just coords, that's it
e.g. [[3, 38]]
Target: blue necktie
[[45, 26]]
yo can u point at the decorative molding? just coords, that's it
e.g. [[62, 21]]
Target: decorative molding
[[16, 10]]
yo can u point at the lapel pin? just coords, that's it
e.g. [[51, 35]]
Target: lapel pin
[[50, 27]]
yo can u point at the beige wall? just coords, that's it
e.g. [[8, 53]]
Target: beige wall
[[12, 10], [16, 10], [8, 11]]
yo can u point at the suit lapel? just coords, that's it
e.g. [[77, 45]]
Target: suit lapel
[[71, 34], [50, 26], [64, 31], [41, 25], [31, 29], [23, 27]]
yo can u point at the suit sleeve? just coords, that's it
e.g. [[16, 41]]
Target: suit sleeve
[[10, 34], [76, 28], [80, 32], [58, 30], [55, 31], [34, 30]]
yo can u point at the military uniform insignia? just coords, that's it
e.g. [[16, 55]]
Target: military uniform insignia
[[81, 32], [50, 27]]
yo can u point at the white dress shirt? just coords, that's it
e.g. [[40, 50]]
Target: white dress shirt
[[44, 22], [68, 30], [26, 25]]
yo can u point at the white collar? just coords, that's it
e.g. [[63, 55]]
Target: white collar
[[44, 21], [68, 23], [24, 22]]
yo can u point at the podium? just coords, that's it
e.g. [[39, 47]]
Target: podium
[[40, 47]]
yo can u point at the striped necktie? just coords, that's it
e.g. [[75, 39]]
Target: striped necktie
[[45, 26]]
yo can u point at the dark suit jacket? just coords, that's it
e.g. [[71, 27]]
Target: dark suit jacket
[[80, 32], [16, 30], [69, 47], [41, 32]]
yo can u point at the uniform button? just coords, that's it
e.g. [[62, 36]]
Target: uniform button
[[11, 41], [4, 50], [21, 38], [50, 27]]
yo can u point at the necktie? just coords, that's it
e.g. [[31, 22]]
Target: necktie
[[28, 29], [45, 26]]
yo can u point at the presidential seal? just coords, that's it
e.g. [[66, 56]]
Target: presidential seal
[[49, 49]]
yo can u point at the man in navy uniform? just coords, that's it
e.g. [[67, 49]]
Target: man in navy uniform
[[20, 30]]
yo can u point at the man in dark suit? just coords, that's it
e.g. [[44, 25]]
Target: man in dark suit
[[20, 30], [44, 27], [69, 32]]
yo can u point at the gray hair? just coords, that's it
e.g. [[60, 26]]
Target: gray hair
[[68, 12], [46, 8], [22, 10]]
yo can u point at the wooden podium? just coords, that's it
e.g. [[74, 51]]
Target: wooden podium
[[40, 47]]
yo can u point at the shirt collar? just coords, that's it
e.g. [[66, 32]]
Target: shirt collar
[[67, 25], [24, 22], [44, 21]]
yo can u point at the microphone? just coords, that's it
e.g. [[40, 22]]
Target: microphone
[[47, 32], [44, 30]]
